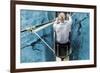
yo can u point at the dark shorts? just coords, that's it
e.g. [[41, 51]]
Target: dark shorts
[[61, 49]]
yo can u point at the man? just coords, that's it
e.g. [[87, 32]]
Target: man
[[62, 29]]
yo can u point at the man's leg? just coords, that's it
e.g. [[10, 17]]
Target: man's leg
[[62, 59]]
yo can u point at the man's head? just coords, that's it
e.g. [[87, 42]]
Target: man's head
[[61, 17]]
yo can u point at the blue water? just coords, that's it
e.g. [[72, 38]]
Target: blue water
[[34, 50]]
